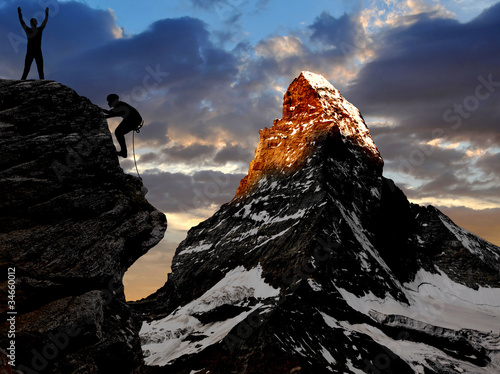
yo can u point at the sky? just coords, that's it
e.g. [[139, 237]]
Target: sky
[[206, 75]]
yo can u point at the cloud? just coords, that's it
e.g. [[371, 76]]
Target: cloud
[[391, 13], [345, 33], [174, 55], [178, 192], [234, 153], [230, 11], [426, 70], [489, 163], [437, 79], [433, 77], [154, 134], [280, 48], [192, 153], [333, 47]]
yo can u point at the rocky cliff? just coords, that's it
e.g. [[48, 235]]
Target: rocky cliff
[[71, 223], [320, 265]]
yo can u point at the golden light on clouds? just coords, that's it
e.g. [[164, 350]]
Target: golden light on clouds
[[469, 202], [116, 30], [280, 47], [400, 13]]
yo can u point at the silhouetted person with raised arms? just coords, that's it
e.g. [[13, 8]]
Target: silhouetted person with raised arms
[[34, 50], [132, 120]]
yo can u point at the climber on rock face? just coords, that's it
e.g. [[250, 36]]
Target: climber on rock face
[[132, 120], [34, 50]]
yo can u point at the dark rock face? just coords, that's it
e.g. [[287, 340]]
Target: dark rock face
[[321, 265], [71, 224]]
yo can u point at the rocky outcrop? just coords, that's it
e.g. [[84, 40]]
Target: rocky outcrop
[[71, 224], [320, 265]]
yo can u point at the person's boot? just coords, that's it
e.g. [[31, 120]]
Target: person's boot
[[122, 153]]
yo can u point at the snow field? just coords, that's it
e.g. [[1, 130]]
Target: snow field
[[165, 340]]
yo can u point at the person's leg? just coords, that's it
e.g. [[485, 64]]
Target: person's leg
[[39, 64], [120, 136], [27, 64], [123, 128]]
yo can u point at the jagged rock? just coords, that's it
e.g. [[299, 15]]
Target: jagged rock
[[312, 110], [293, 274], [71, 224]]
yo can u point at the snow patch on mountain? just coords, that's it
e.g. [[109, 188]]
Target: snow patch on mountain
[[437, 300], [331, 100], [199, 248], [470, 241], [418, 355], [169, 338]]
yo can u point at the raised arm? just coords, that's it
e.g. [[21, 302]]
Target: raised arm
[[21, 18], [46, 18]]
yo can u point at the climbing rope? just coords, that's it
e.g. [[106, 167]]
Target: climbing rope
[[137, 130]]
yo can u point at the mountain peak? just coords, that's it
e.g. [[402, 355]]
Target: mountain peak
[[324, 265], [313, 111], [317, 81]]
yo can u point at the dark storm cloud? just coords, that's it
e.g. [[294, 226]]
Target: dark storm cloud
[[177, 192], [490, 164], [173, 54], [436, 73], [424, 161], [436, 79], [232, 153], [200, 154], [456, 186], [155, 133], [149, 157], [81, 50], [345, 33], [194, 153]]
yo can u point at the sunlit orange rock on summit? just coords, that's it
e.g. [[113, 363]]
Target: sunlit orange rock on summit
[[312, 109]]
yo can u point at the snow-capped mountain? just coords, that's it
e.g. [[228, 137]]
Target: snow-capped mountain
[[321, 265]]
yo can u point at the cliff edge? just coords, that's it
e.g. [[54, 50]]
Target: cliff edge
[[71, 224]]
